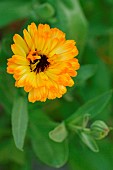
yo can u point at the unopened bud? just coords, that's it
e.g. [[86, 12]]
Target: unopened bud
[[99, 130]]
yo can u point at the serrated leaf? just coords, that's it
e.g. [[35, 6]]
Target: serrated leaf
[[92, 107], [51, 153], [19, 121]]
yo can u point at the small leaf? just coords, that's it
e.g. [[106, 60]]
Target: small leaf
[[19, 121], [59, 133], [51, 153], [89, 141], [92, 107], [85, 120]]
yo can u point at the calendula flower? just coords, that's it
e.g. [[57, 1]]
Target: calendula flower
[[43, 62]]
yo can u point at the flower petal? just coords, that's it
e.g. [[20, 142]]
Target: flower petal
[[20, 42], [18, 50], [28, 39]]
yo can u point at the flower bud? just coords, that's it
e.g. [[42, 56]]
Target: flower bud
[[99, 130]]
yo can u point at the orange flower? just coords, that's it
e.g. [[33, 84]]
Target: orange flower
[[43, 62]]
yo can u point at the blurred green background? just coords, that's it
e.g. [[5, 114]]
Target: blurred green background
[[90, 24]]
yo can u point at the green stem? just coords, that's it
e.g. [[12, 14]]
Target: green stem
[[78, 128]]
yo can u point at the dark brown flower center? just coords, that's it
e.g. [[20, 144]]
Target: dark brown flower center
[[39, 65]]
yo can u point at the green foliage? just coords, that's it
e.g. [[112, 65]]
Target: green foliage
[[13, 10], [58, 131], [89, 141], [8, 151], [19, 121], [85, 72], [43, 146], [92, 107], [91, 161], [75, 28]]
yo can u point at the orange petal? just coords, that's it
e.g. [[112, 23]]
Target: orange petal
[[32, 29]]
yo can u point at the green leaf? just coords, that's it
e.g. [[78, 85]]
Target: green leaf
[[89, 141], [51, 153], [8, 151], [15, 10], [84, 159], [71, 20], [59, 133], [101, 84], [6, 96], [85, 72], [19, 121], [92, 107]]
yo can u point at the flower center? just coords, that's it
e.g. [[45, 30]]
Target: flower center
[[39, 65]]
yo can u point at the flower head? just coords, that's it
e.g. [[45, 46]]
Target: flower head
[[43, 62]]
